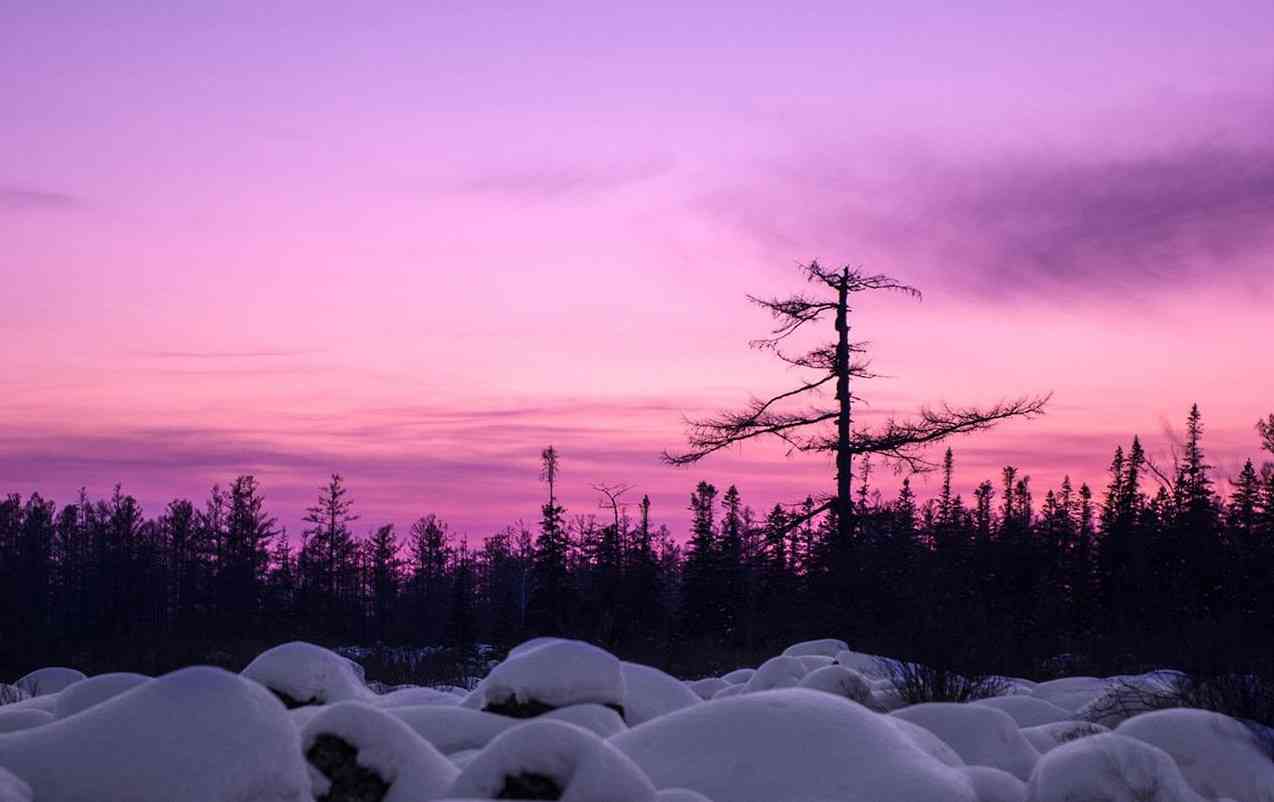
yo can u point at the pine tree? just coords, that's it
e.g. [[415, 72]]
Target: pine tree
[[386, 575], [332, 554]]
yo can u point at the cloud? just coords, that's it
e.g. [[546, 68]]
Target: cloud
[[1010, 224], [222, 354], [25, 199], [550, 182]]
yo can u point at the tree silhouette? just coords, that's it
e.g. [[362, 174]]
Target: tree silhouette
[[812, 430]]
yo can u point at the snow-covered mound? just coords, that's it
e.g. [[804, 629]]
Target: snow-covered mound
[[867, 664], [44, 681], [789, 745], [1027, 711], [94, 690], [993, 785], [601, 721], [1219, 756], [841, 681], [1047, 737], [352, 745], [1070, 693], [777, 672], [453, 729], [544, 759], [680, 795], [303, 674], [411, 697], [739, 676], [827, 647], [23, 718], [196, 735], [12, 789], [982, 736], [649, 693], [1108, 768], [707, 687], [554, 674]]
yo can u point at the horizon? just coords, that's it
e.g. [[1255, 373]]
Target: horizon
[[415, 247]]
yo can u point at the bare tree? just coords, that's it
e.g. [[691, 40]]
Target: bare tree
[[831, 429], [1266, 429], [548, 471], [611, 502]]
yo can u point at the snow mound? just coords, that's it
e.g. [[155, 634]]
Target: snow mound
[[93, 691], [532, 645], [601, 721], [841, 681], [982, 736], [739, 676], [791, 745], [1047, 737], [731, 690], [994, 785], [44, 681], [412, 697], [544, 758], [348, 741], [1218, 755], [650, 693], [303, 674], [1027, 711], [196, 735], [867, 664], [1070, 693], [554, 674], [813, 662], [680, 795], [707, 687], [777, 672], [827, 647], [452, 729], [12, 789], [1126, 697], [930, 744], [1108, 768], [24, 719]]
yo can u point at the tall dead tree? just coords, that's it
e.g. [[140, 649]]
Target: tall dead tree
[[832, 430]]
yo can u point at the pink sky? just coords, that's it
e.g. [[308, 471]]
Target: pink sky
[[414, 243]]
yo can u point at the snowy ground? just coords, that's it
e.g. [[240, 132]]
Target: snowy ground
[[566, 720]]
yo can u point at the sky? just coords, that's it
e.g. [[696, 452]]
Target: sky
[[414, 243]]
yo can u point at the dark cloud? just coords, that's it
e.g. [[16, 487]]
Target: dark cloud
[[26, 199], [1028, 223]]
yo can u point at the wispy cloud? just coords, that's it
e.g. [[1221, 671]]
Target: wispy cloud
[[21, 199], [548, 182]]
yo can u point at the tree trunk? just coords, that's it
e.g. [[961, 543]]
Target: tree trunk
[[844, 458]]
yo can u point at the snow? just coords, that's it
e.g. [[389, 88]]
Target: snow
[[308, 674], [813, 662], [982, 736], [1218, 756], [649, 693], [12, 789], [453, 729], [680, 795], [92, 691], [411, 697], [411, 767], [44, 681], [827, 647], [22, 719], [731, 690], [1126, 697], [777, 672], [994, 785], [789, 745], [1108, 768], [739, 676], [707, 687], [1070, 693], [1046, 737], [932, 745], [172, 738], [841, 681], [555, 673], [601, 721], [867, 664], [1027, 711], [585, 767]]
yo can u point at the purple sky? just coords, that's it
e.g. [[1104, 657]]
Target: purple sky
[[416, 242]]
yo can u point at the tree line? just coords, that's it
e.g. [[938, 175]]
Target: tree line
[[1164, 565]]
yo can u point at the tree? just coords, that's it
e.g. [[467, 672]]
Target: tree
[[332, 550], [831, 429], [386, 572], [430, 554], [1266, 430], [551, 594]]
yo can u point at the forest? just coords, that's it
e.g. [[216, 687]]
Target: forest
[[1161, 566]]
